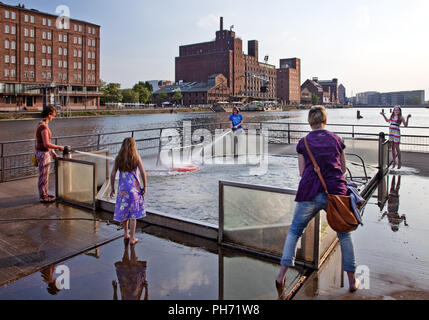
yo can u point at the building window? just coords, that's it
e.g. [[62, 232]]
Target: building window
[[32, 19], [65, 51], [75, 65], [44, 62], [65, 76], [13, 59], [49, 76], [89, 55], [25, 74], [12, 73], [93, 42], [32, 47], [93, 31], [75, 52], [60, 64], [32, 61], [26, 18], [44, 21], [6, 44], [80, 65], [65, 38], [13, 30], [93, 55], [80, 40], [60, 51], [89, 66], [49, 35], [25, 60], [49, 22], [6, 14], [75, 40], [60, 76], [6, 59], [6, 29], [93, 67], [65, 64], [43, 75], [31, 74], [43, 49], [13, 15], [60, 37], [49, 62], [75, 27], [6, 72], [13, 47], [49, 49], [80, 53], [80, 29], [43, 34], [89, 42]]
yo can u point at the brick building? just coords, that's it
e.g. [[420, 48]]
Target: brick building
[[330, 86], [197, 93], [289, 81], [245, 75], [34, 52], [310, 88]]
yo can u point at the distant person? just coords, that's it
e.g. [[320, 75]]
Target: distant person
[[396, 119], [236, 120], [130, 198], [131, 274], [328, 149], [44, 151], [393, 207]]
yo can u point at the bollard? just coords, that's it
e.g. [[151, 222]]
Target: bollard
[[67, 152]]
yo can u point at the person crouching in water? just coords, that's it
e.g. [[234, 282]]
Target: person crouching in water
[[130, 203]]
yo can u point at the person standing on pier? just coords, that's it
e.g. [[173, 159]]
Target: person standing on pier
[[396, 119], [236, 120], [44, 151], [130, 198], [328, 149]]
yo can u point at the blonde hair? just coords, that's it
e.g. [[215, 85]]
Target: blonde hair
[[128, 158], [317, 116]]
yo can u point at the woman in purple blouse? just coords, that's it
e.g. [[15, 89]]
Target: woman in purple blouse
[[328, 149]]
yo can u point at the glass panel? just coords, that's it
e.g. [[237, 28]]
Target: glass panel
[[366, 149], [101, 160], [76, 182], [261, 219]]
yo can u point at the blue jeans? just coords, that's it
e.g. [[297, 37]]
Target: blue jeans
[[304, 212]]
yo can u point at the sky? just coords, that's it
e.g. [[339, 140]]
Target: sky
[[369, 45]]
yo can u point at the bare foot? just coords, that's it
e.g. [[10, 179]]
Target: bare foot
[[355, 287], [134, 241], [280, 286]]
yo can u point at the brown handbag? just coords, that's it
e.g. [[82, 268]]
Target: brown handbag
[[339, 212]]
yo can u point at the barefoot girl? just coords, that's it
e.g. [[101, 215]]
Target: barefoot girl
[[130, 197], [396, 119]]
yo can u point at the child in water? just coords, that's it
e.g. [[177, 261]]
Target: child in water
[[130, 197], [396, 119]]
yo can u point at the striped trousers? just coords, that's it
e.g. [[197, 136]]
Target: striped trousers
[[44, 164]]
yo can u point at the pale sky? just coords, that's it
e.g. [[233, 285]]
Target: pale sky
[[380, 45]]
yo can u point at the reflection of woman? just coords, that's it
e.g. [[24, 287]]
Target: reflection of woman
[[48, 278], [131, 275], [328, 149], [393, 207], [44, 151]]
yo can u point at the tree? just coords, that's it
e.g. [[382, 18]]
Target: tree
[[144, 91], [129, 96], [162, 96], [314, 99], [177, 96], [112, 92]]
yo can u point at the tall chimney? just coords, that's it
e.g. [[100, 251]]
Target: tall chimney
[[221, 23]]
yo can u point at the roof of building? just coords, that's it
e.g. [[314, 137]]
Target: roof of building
[[190, 86]]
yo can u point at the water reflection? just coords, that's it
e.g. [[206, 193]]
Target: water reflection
[[131, 275], [48, 277], [392, 213]]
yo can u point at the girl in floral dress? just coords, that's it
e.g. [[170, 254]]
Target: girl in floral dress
[[130, 197]]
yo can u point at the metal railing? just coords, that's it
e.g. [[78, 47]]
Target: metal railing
[[15, 156]]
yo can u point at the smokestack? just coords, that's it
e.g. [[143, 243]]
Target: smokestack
[[221, 23]]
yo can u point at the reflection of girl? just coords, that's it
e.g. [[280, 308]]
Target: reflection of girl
[[393, 207], [131, 275], [396, 119]]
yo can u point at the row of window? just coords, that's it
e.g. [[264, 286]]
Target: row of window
[[46, 22], [47, 75], [48, 49]]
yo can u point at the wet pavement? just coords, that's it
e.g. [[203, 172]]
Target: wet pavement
[[164, 265], [391, 248]]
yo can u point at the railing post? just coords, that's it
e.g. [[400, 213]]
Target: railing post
[[381, 139], [2, 163], [288, 133], [353, 131], [98, 142]]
